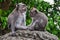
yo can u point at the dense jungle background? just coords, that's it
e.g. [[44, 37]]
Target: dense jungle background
[[51, 10]]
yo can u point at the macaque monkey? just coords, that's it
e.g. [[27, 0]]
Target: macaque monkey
[[17, 19], [39, 20]]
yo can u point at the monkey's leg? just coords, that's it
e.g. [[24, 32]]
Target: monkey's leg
[[24, 27], [21, 27], [13, 29]]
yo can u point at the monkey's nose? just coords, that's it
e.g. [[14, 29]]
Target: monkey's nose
[[31, 11]]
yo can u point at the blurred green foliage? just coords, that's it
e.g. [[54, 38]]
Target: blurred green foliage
[[51, 11]]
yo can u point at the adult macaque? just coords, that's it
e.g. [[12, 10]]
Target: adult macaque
[[39, 20], [17, 18]]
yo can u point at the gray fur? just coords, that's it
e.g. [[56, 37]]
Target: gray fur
[[39, 20], [18, 17]]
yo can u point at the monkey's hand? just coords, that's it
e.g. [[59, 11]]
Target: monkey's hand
[[34, 23]]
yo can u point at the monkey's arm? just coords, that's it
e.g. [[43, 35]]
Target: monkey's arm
[[33, 23], [25, 19], [24, 14], [31, 26]]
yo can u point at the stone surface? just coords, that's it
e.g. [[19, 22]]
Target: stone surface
[[29, 35]]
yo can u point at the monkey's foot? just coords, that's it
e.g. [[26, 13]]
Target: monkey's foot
[[30, 28], [13, 34]]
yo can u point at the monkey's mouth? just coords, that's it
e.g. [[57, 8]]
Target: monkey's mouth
[[23, 9]]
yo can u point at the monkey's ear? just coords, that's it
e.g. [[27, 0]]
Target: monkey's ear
[[17, 5]]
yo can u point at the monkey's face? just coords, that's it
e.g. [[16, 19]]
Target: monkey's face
[[22, 7], [33, 12]]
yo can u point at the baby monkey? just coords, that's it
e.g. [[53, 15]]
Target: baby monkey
[[17, 19], [39, 20]]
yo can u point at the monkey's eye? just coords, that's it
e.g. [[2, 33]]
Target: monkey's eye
[[23, 5], [35, 11]]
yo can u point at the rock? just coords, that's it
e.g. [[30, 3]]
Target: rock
[[30, 35]]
